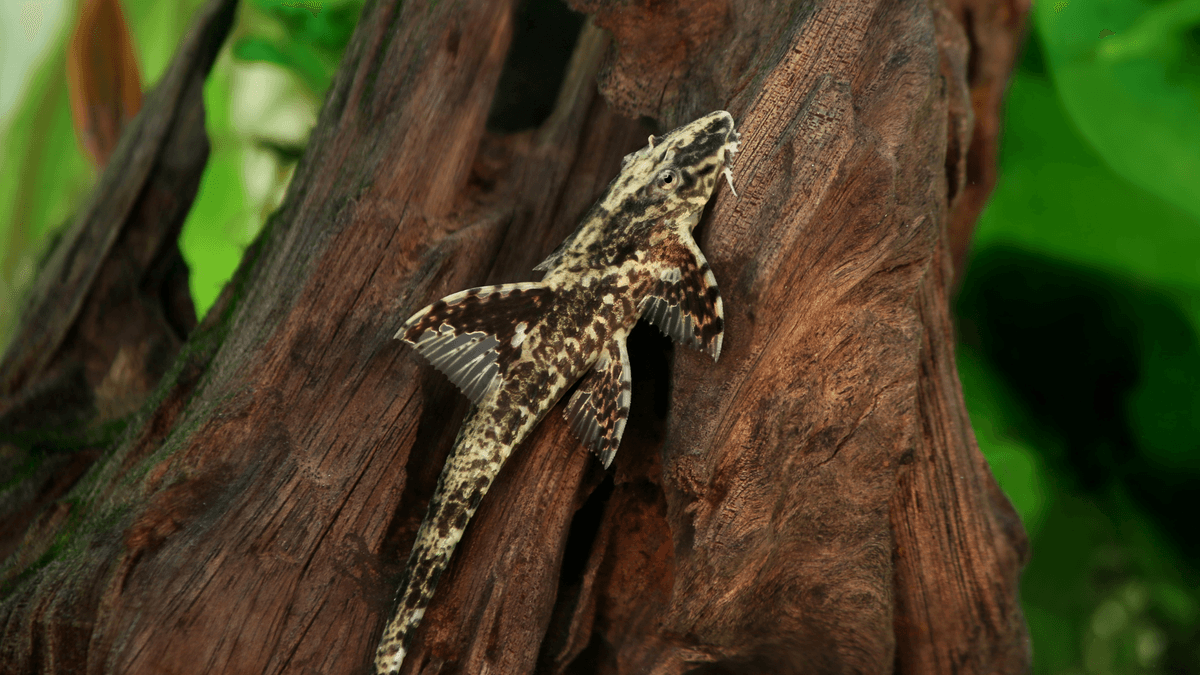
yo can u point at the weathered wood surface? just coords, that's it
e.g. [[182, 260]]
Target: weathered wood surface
[[813, 503], [111, 308]]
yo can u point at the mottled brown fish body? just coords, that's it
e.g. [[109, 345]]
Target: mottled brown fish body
[[516, 349]]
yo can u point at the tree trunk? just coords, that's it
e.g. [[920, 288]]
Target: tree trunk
[[241, 498]]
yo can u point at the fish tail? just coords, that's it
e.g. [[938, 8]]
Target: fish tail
[[469, 472]]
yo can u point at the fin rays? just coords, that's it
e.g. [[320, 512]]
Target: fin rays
[[468, 336], [684, 303], [599, 408]]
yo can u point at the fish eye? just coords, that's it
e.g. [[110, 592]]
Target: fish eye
[[667, 179]]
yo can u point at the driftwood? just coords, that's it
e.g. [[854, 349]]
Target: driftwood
[[813, 503]]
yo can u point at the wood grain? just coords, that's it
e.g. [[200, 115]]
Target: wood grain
[[814, 503]]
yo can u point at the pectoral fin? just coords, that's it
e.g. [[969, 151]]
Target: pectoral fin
[[684, 301], [472, 336], [598, 409]]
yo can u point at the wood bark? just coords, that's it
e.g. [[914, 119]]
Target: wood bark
[[814, 503]]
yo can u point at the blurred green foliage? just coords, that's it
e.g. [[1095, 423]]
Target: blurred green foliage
[[308, 42], [46, 176], [1079, 318], [262, 100], [1133, 94], [1079, 314]]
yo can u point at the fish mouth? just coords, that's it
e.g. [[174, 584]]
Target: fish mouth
[[731, 146]]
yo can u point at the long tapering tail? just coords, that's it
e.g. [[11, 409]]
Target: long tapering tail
[[473, 465]]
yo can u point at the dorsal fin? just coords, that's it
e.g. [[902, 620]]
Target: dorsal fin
[[684, 301], [600, 405], [474, 335]]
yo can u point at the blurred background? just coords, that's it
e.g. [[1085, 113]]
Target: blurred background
[[1079, 314]]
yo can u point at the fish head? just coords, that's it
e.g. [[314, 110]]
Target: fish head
[[677, 172]]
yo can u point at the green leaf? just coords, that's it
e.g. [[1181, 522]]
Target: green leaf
[[1057, 195], [318, 22], [294, 56], [259, 49], [1128, 73], [157, 28]]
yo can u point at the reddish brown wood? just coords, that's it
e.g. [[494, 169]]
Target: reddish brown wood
[[813, 503], [980, 41]]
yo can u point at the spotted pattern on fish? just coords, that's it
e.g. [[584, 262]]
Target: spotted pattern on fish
[[468, 335], [515, 349], [600, 405]]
